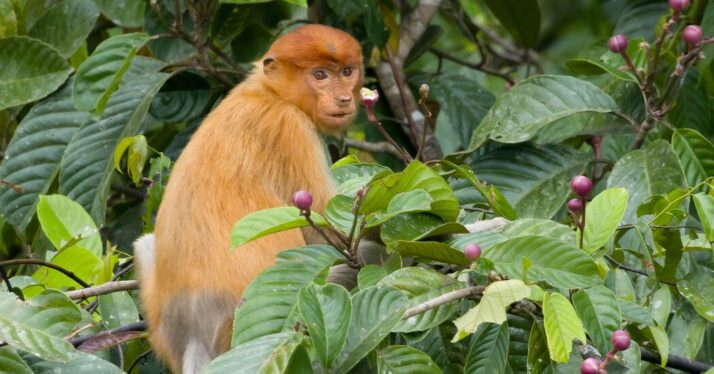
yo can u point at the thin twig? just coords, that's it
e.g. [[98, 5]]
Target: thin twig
[[443, 299], [136, 326], [633, 270], [31, 261], [376, 147], [16, 187], [480, 66], [5, 279], [103, 289]]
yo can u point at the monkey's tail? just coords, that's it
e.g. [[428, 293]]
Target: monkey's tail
[[144, 257]]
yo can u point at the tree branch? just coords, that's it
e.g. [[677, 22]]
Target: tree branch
[[443, 299], [31, 261], [136, 326], [103, 289]]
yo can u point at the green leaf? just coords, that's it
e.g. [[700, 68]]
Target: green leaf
[[661, 305], [269, 221], [32, 159], [400, 359], [543, 101], [561, 326], [520, 17], [38, 326], [252, 43], [534, 179], [488, 352], [8, 20], [558, 263], [415, 176], [65, 223], [65, 25], [406, 202], [695, 153], [416, 226], [82, 363], [420, 285], [273, 295], [692, 108], [619, 282], [492, 308], [540, 227], [267, 354], [11, 362], [117, 309], [370, 275], [326, 311], [127, 13], [87, 164], [686, 331], [182, 103], [496, 201], [600, 314], [435, 251], [591, 67], [602, 217], [646, 172], [698, 289], [375, 311], [705, 209], [351, 177], [538, 356], [31, 70], [519, 329], [100, 74], [80, 261], [657, 335]]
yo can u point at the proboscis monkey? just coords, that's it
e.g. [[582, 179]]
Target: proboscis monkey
[[259, 146]]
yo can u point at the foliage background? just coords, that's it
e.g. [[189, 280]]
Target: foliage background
[[93, 90]]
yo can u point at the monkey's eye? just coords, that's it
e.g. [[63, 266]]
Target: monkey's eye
[[319, 74], [347, 71]]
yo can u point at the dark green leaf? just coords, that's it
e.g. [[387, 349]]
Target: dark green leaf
[[489, 350], [65, 25], [520, 17], [399, 359]]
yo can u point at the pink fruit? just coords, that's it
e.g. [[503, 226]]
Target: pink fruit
[[302, 200], [617, 43], [692, 34], [472, 251], [581, 185], [620, 340]]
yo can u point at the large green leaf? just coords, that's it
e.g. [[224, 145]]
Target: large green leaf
[[32, 158], [12, 362], [492, 308], [435, 251], [65, 25], [412, 201], [421, 285], [646, 172], [539, 102], [265, 355], [273, 295], [519, 329], [326, 311], [602, 217], [692, 107], [698, 289], [551, 260], [540, 227], [534, 179], [80, 261], [415, 176], [538, 356], [351, 177], [88, 161], [39, 326], [100, 74], [65, 223], [494, 198], [375, 311], [600, 314], [489, 350], [695, 153], [399, 359], [437, 344], [127, 13], [561, 326], [705, 209], [416, 226], [269, 221], [8, 18], [586, 66], [30, 70], [81, 363]]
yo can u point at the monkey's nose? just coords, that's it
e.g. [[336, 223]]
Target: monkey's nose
[[343, 99]]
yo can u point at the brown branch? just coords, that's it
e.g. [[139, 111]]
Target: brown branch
[[378, 147], [481, 66], [16, 187], [136, 326], [103, 289], [443, 299], [31, 261]]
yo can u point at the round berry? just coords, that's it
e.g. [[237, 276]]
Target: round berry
[[620, 340], [581, 185], [575, 205], [692, 34], [590, 366], [302, 200], [679, 5], [617, 43], [472, 251]]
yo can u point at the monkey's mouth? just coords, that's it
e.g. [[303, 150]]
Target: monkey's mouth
[[341, 115]]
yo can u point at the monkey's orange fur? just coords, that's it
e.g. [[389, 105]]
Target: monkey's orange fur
[[257, 148]]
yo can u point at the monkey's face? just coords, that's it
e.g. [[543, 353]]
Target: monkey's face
[[335, 87]]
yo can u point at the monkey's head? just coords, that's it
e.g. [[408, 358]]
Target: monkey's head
[[319, 69]]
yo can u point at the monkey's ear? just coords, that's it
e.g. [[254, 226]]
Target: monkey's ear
[[269, 65]]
